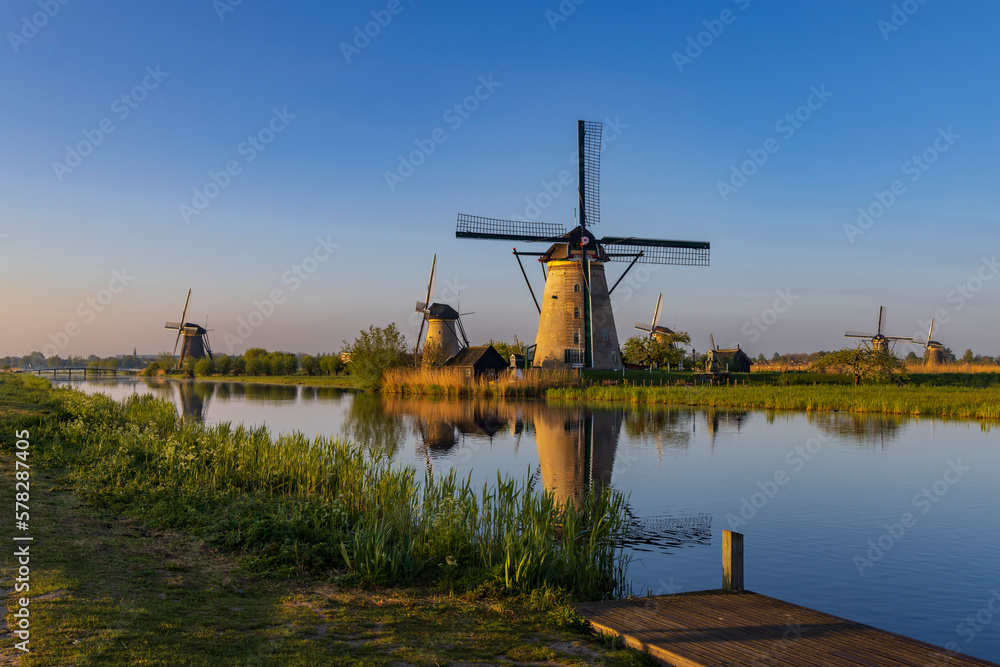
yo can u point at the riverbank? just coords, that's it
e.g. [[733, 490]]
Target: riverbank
[[341, 381], [157, 538], [927, 401]]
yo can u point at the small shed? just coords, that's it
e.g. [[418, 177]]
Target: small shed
[[733, 361], [479, 360]]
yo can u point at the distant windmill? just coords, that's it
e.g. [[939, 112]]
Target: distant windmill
[[655, 331], [576, 326], [195, 337], [879, 342], [933, 350], [444, 324]]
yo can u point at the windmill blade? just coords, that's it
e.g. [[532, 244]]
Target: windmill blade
[[185, 313], [644, 327], [881, 319], [858, 334], [421, 307], [180, 327], [420, 335], [475, 227], [656, 312], [656, 251], [430, 281], [461, 328], [909, 338], [712, 339], [930, 334], [589, 144], [172, 325]]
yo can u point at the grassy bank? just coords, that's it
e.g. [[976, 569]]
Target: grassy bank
[[138, 571], [955, 402], [453, 383]]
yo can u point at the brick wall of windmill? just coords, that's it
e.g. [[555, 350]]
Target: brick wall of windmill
[[561, 324]]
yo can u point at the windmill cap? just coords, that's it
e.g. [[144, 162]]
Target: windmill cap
[[442, 311]]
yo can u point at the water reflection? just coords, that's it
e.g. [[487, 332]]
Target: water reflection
[[369, 425], [865, 430], [194, 399]]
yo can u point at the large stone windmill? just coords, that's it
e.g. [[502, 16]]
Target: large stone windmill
[[576, 327], [933, 350], [195, 337], [878, 342]]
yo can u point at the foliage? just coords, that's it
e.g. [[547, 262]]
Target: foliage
[[374, 352], [331, 364], [309, 364], [864, 365], [506, 349], [204, 366], [655, 351]]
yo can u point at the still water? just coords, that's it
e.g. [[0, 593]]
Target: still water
[[886, 521]]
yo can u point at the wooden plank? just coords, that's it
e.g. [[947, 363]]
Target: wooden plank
[[712, 628]]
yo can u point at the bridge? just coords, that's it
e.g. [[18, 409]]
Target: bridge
[[69, 370]]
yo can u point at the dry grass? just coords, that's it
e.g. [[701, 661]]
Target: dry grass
[[919, 367], [454, 382]]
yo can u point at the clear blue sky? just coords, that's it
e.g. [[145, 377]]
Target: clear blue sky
[[206, 84]]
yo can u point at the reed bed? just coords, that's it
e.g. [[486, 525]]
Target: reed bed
[[291, 503], [953, 402], [453, 382]]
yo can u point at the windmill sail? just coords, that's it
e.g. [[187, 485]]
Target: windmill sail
[[476, 227], [589, 141]]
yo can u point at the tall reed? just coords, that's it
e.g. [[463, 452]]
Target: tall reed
[[453, 382], [289, 502]]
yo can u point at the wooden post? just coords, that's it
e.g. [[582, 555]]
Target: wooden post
[[732, 561]]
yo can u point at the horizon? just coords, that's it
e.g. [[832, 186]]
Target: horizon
[[298, 166]]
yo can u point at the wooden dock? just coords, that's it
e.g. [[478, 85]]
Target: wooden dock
[[736, 627], [714, 628]]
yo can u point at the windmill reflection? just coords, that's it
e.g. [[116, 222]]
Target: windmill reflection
[[194, 399], [441, 425]]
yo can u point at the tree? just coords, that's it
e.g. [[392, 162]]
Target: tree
[[506, 349], [204, 366], [776, 358], [761, 359], [309, 364], [912, 357], [330, 364], [659, 350], [864, 365], [968, 357], [375, 351], [223, 364]]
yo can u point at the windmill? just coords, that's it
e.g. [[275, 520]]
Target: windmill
[[576, 326], [195, 337], [879, 342], [445, 333], [654, 330], [933, 350]]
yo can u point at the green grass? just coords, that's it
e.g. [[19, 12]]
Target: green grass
[[953, 402], [162, 541]]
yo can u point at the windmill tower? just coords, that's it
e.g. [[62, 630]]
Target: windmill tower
[[576, 326], [878, 342], [195, 337], [655, 331], [933, 350], [445, 333]]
